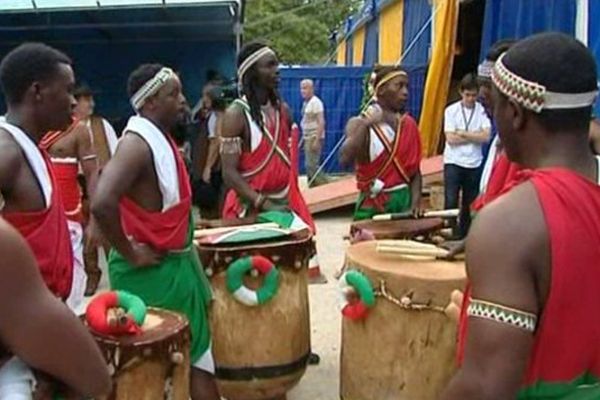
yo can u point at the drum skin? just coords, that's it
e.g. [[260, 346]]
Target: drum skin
[[260, 352], [395, 353], [398, 229], [143, 364]]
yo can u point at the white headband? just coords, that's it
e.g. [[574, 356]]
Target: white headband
[[484, 70], [251, 60], [535, 96], [151, 87]]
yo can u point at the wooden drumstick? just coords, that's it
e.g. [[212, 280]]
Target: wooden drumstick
[[200, 233], [446, 214]]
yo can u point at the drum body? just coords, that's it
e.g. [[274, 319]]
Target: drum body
[[261, 351], [398, 229], [405, 348], [154, 365]]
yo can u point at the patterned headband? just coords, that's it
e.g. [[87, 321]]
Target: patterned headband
[[388, 78], [484, 70], [251, 60], [151, 87], [534, 96]]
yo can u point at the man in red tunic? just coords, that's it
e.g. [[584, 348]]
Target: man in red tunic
[[37, 82], [38, 102], [385, 144], [530, 324], [70, 150], [259, 146]]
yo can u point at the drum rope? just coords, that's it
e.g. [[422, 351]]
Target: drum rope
[[405, 302]]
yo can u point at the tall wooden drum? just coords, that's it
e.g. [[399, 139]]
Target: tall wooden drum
[[260, 322], [400, 345], [154, 365]]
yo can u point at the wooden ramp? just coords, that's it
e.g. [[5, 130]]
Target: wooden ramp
[[344, 192]]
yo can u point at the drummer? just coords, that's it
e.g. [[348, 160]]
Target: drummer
[[143, 207], [544, 89], [385, 144], [255, 146]]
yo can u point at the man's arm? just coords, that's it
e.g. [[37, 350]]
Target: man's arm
[[455, 138], [497, 353], [118, 176], [481, 136], [234, 125], [10, 164], [41, 330], [416, 186], [213, 150], [321, 125], [354, 146], [87, 157]]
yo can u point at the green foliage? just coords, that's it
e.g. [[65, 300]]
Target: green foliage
[[299, 30]]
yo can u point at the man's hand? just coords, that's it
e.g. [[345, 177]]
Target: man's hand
[[144, 255], [93, 234], [269, 205], [315, 145], [374, 114], [206, 175], [454, 248]]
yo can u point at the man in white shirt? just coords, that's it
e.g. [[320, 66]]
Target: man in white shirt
[[313, 130], [466, 127]]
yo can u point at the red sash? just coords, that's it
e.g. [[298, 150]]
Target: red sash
[[397, 164], [503, 172], [163, 230], [52, 137], [48, 236], [68, 186], [567, 334], [267, 170]]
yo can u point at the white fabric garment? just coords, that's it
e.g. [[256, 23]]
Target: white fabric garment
[[489, 164], [212, 125], [109, 131], [206, 362], [165, 163], [310, 111], [16, 381], [459, 118], [375, 144], [34, 158], [256, 134], [76, 301]]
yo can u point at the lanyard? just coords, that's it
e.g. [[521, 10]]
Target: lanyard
[[467, 122]]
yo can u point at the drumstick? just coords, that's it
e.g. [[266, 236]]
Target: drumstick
[[200, 233], [406, 244], [448, 214], [412, 251]]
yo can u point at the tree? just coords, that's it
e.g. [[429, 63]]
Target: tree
[[300, 30]]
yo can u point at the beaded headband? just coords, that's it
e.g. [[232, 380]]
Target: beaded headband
[[388, 78], [534, 96], [151, 87], [484, 70], [251, 60]]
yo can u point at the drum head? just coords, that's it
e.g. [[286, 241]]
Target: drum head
[[364, 256], [159, 325], [399, 229]]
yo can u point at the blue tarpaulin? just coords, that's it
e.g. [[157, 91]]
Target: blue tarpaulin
[[517, 19], [341, 90], [416, 15], [371, 54]]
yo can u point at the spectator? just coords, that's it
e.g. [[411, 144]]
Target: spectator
[[466, 127], [313, 130]]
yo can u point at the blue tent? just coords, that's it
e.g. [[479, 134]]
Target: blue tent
[[107, 39]]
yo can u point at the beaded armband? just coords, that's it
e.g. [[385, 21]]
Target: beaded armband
[[230, 145], [504, 315]]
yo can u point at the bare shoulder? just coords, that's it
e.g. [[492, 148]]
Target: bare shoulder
[[11, 155], [133, 146], [81, 130], [234, 121], [508, 242]]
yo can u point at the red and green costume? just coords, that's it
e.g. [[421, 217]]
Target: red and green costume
[[178, 283], [394, 167], [564, 362]]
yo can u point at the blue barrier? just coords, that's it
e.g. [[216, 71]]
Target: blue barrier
[[341, 90]]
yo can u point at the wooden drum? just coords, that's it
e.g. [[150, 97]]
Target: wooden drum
[[260, 351], [404, 348], [397, 229], [154, 365]]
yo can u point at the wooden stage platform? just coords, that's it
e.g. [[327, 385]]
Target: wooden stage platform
[[343, 192]]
